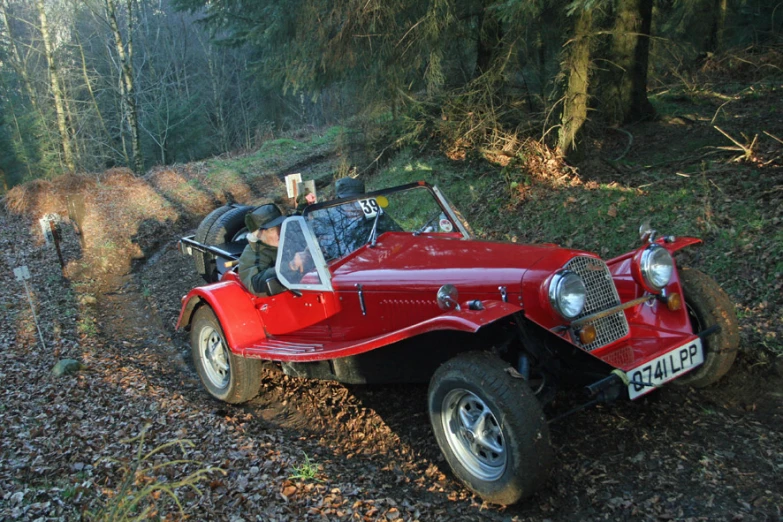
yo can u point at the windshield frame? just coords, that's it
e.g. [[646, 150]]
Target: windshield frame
[[439, 197], [319, 263]]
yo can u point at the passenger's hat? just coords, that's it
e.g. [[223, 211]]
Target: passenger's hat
[[263, 217], [347, 187]]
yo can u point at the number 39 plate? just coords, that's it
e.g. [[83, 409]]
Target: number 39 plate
[[370, 207], [663, 369]]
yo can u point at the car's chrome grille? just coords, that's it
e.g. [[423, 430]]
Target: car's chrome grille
[[601, 294]]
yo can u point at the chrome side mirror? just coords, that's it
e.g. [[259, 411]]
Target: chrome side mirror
[[448, 298], [646, 232]]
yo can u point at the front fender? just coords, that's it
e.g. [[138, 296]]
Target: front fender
[[466, 320], [679, 243], [234, 307]]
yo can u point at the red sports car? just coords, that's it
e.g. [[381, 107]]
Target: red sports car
[[396, 289]]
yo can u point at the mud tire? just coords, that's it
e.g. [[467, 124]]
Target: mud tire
[[470, 383], [201, 234], [709, 305], [223, 229], [243, 375]]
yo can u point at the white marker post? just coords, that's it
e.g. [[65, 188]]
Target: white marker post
[[23, 274], [291, 182]]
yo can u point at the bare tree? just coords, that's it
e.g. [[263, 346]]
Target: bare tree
[[124, 50], [59, 104]]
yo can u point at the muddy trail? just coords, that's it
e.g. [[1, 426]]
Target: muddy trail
[[679, 454]]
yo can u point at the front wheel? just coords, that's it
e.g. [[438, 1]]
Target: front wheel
[[490, 428], [708, 305], [226, 376]]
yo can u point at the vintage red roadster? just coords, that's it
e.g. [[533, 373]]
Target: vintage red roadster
[[396, 289]]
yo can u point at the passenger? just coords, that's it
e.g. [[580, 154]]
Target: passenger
[[303, 200], [257, 262]]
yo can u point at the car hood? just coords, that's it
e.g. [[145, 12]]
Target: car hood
[[421, 262]]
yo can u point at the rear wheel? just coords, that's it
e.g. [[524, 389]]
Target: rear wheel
[[226, 376], [490, 428], [225, 228], [708, 305]]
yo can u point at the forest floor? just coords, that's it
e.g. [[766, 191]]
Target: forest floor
[[309, 450]]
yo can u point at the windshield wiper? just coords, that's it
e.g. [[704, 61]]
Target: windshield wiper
[[373, 239], [427, 224]]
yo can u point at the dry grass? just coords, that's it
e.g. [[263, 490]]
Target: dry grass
[[177, 189], [35, 198]]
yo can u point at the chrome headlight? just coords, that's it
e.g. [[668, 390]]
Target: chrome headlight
[[567, 294], [657, 266]]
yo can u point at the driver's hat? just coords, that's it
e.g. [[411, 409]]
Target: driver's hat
[[263, 217]]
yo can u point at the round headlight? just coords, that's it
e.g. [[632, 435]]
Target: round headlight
[[657, 266], [567, 294]]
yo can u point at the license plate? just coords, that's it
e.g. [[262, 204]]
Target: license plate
[[665, 368]]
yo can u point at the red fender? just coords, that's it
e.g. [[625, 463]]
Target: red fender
[[679, 243], [241, 322], [466, 320]]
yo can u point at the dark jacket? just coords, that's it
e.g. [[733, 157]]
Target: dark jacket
[[256, 264]]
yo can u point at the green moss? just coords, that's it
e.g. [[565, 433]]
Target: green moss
[[331, 136]]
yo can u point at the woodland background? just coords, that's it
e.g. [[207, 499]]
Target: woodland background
[[92, 84]]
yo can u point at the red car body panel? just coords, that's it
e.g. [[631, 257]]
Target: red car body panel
[[234, 307], [297, 349]]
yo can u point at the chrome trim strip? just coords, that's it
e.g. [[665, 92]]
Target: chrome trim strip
[[611, 311], [361, 298]]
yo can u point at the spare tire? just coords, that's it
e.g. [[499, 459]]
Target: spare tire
[[201, 235], [227, 227]]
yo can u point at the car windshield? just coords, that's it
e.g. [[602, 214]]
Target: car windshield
[[344, 227]]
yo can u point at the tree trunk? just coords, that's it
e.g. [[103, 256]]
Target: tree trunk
[[490, 33], [623, 86], [577, 70], [59, 106], [719, 10], [129, 95]]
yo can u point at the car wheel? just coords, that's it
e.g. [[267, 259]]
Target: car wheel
[[226, 376], [708, 305], [490, 428], [225, 229]]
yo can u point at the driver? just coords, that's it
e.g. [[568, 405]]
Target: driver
[[257, 262], [341, 230]]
